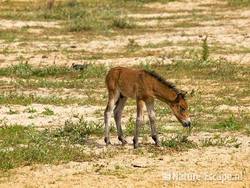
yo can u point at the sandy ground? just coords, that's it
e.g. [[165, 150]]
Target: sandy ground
[[38, 119], [130, 168], [228, 30], [13, 24], [202, 167]]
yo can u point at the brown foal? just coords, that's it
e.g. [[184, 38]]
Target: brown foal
[[144, 86]]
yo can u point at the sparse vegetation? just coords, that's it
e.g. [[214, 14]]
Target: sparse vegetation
[[123, 23], [229, 124], [130, 126], [31, 146], [11, 111], [30, 110], [48, 112], [12, 98], [21, 99], [217, 140], [25, 70], [178, 142], [186, 24], [94, 71], [78, 132], [42, 41], [78, 15], [120, 172], [20, 146], [205, 50], [213, 69], [241, 3], [132, 45]]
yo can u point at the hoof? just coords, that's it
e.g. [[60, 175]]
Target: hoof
[[157, 144], [107, 141], [135, 143], [124, 142], [136, 146], [156, 140]]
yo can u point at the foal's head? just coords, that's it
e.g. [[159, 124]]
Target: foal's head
[[180, 109]]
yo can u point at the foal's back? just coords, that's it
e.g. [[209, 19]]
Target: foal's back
[[129, 82]]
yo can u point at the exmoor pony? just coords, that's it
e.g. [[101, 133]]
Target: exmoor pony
[[143, 86]]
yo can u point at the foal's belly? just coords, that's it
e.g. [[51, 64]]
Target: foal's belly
[[130, 93], [130, 84]]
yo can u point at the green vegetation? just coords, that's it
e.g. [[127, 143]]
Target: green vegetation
[[30, 110], [212, 70], [178, 142], [84, 20], [132, 45], [118, 171], [217, 140], [87, 31], [241, 3], [93, 71], [25, 70], [60, 83], [13, 98], [94, 15], [21, 99], [92, 77], [11, 111], [31, 146], [77, 131], [186, 24], [205, 50], [123, 23], [8, 36], [48, 112], [130, 126], [229, 124], [20, 146]]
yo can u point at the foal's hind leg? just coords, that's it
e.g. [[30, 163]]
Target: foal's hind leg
[[151, 115], [113, 96], [118, 115]]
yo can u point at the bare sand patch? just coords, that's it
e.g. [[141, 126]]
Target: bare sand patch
[[38, 119], [11, 24], [233, 109], [243, 58], [157, 15]]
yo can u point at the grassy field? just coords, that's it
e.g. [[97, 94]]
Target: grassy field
[[51, 114]]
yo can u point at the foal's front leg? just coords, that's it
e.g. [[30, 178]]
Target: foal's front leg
[[139, 119], [151, 115]]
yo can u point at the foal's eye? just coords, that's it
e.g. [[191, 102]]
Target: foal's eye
[[182, 109]]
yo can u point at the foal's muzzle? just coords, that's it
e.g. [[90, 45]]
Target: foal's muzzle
[[186, 123]]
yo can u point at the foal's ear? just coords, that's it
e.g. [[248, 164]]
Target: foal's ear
[[183, 93]]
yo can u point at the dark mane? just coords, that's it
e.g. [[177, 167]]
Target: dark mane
[[162, 80]]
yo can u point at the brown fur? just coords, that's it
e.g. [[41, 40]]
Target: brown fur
[[144, 86], [50, 4]]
